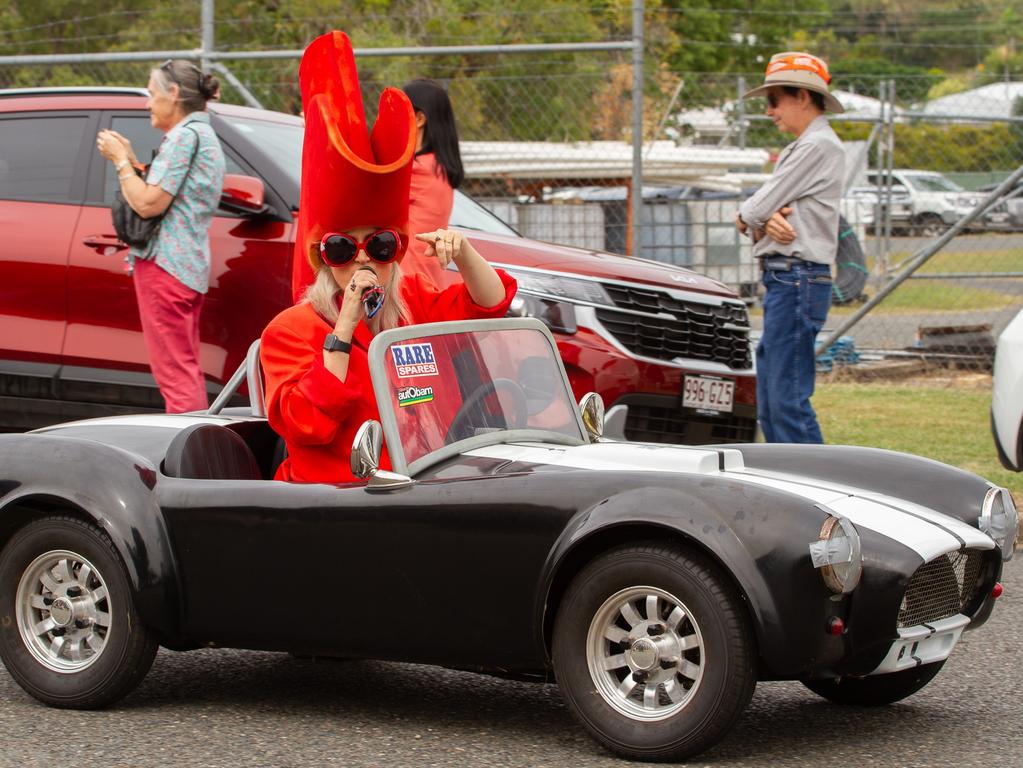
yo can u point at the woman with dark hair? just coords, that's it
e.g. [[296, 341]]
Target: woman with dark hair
[[171, 272], [436, 171]]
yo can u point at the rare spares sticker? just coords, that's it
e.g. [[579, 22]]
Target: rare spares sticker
[[414, 395], [414, 359]]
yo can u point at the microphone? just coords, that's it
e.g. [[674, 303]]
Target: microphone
[[372, 297]]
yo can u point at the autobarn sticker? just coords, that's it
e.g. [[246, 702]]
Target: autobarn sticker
[[414, 395], [414, 359]]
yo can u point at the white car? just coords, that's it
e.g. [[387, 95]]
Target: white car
[[1007, 396], [936, 201]]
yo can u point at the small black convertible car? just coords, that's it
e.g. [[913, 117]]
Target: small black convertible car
[[494, 529]]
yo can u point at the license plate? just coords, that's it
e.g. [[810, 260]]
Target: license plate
[[708, 393]]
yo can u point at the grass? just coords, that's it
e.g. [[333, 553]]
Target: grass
[[916, 296], [946, 420]]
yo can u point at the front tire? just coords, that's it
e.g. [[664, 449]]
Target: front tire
[[653, 652], [69, 632], [876, 690]]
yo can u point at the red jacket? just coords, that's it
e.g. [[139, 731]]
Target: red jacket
[[430, 201], [316, 413]]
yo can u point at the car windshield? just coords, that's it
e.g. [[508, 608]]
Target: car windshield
[[282, 142], [933, 184], [447, 388]]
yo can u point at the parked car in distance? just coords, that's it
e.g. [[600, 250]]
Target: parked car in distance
[[657, 584], [1007, 396], [936, 202], [1007, 213], [871, 205], [667, 348]]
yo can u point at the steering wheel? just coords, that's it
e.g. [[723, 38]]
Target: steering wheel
[[474, 399]]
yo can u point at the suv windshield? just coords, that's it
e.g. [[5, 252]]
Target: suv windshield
[[283, 144], [446, 388], [933, 184]]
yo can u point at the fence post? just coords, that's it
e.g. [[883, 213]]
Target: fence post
[[206, 44], [889, 174], [741, 108], [879, 166], [636, 187]]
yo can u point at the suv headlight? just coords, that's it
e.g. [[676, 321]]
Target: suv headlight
[[837, 553], [550, 298], [1000, 520]]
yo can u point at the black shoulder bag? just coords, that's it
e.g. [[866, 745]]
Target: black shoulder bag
[[132, 228]]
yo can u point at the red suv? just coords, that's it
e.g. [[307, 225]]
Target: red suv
[[667, 348]]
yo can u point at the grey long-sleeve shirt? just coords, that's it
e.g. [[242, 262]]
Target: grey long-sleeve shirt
[[808, 178]]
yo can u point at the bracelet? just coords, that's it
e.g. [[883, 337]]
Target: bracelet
[[124, 176], [122, 164]]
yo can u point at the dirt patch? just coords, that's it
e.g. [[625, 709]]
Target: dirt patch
[[912, 373]]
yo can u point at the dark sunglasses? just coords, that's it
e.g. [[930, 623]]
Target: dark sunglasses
[[384, 245], [773, 100]]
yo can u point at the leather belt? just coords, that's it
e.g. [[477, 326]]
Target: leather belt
[[781, 263]]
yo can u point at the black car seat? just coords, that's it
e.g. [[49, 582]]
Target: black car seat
[[210, 452]]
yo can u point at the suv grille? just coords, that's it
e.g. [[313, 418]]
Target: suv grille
[[941, 588], [694, 332]]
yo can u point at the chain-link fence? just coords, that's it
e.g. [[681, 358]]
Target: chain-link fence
[[547, 146]]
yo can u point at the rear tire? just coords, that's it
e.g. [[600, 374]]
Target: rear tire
[[876, 690], [69, 632], [653, 652]]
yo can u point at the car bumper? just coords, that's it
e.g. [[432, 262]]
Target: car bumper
[[644, 396], [924, 644]]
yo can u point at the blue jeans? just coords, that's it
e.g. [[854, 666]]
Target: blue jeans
[[795, 307]]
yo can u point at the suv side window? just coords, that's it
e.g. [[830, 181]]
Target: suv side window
[[145, 140], [40, 156]]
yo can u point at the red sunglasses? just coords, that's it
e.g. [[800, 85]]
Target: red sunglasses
[[384, 245]]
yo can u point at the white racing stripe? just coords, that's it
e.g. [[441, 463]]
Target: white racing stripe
[[920, 528], [167, 420]]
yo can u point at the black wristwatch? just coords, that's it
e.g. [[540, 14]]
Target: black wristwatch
[[333, 344]]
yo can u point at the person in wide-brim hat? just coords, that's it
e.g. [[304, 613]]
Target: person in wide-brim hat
[[793, 221], [795, 69]]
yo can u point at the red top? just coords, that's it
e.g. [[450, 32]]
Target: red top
[[430, 202], [315, 412]]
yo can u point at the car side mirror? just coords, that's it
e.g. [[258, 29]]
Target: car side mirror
[[366, 447], [244, 195], [591, 405], [365, 460]]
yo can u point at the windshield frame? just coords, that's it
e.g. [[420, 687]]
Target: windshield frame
[[388, 420]]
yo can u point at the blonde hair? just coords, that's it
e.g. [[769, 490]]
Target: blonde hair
[[322, 294]]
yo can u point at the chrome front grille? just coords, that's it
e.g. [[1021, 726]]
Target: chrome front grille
[[941, 588], [676, 328]]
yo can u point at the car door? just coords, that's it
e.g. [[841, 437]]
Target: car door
[[43, 160], [104, 345], [445, 571]]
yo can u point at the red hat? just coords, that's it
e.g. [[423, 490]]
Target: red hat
[[350, 177]]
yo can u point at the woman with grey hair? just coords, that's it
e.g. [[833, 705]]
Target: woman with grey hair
[[183, 185]]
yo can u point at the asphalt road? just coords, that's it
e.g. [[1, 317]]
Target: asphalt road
[[238, 708]]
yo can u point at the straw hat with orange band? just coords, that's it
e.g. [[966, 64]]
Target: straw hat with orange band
[[798, 70]]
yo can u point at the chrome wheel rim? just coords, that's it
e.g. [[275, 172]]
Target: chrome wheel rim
[[645, 653], [64, 611]]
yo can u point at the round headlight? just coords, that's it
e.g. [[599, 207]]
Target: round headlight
[[837, 554], [999, 519]]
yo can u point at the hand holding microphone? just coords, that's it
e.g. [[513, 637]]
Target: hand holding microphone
[[363, 297]]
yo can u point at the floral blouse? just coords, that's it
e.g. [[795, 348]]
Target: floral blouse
[[182, 246]]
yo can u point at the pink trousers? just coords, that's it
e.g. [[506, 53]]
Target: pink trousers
[[170, 325]]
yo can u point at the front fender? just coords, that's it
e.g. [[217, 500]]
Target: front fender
[[109, 486], [758, 536]]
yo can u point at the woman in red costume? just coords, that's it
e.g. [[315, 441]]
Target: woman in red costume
[[353, 230]]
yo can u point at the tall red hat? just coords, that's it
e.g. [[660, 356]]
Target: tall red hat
[[350, 176]]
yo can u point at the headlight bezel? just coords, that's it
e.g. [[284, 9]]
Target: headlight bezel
[[838, 554], [999, 519]]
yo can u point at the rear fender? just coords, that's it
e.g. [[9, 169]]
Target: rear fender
[[110, 487]]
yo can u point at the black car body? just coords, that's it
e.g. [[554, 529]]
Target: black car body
[[658, 583]]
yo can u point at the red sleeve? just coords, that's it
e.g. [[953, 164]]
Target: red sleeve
[[430, 305], [306, 403]]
